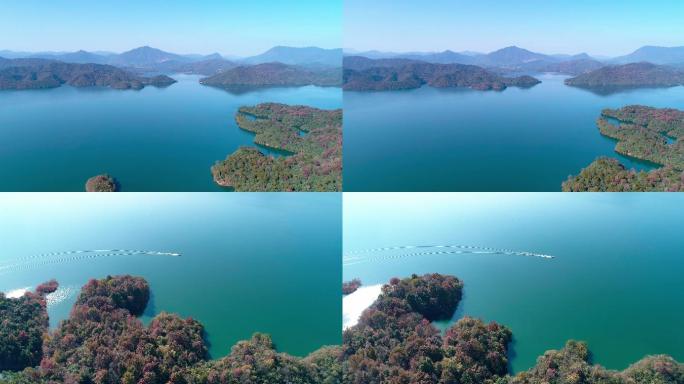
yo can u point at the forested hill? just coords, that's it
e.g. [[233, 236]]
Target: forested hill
[[362, 74], [38, 73]]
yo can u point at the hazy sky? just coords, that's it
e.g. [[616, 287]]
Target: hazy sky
[[236, 27], [599, 27]]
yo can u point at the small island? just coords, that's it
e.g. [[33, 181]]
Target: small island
[[645, 133], [349, 287], [22, 74], [101, 183], [363, 74], [104, 341], [395, 342], [311, 138], [630, 75], [274, 74]]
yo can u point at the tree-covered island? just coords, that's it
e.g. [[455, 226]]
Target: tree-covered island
[[312, 136], [41, 73], [101, 183], [349, 287], [630, 75], [274, 74], [645, 133], [363, 74]]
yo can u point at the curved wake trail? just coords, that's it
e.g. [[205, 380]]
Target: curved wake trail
[[56, 258], [370, 255]]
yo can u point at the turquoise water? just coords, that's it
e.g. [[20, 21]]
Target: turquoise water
[[432, 139], [150, 140], [615, 282], [266, 262]]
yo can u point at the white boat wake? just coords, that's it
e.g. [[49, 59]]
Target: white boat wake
[[388, 253], [61, 294], [51, 299], [55, 258], [355, 303], [17, 293]]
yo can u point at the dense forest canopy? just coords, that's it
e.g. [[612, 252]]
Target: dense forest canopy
[[23, 323]]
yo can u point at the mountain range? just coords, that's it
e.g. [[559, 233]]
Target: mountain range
[[655, 55], [148, 59], [306, 56], [279, 66], [516, 59]]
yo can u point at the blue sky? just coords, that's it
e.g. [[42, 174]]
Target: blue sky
[[599, 27], [229, 27]]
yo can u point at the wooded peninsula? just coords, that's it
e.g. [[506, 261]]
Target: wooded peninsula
[[312, 136], [645, 133]]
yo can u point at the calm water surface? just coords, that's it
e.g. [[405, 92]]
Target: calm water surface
[[249, 262], [431, 139], [616, 281], [155, 139]]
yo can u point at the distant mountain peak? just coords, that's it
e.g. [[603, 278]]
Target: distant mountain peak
[[299, 56], [144, 48], [213, 56], [511, 48], [654, 54]]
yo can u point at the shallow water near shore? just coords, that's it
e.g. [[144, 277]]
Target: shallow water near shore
[[615, 279], [155, 139], [243, 265], [431, 139]]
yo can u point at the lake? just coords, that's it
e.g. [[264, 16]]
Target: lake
[[458, 139], [250, 262], [155, 139], [615, 282]]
